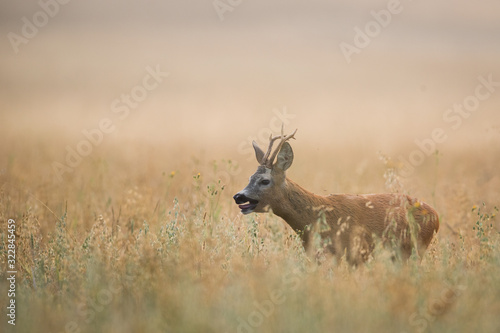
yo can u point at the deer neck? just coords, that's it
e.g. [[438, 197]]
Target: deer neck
[[296, 205]]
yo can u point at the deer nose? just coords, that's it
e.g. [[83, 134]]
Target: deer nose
[[239, 198]]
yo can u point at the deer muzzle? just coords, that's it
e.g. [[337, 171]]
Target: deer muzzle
[[246, 204]]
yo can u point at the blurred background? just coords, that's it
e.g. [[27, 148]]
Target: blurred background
[[233, 65]]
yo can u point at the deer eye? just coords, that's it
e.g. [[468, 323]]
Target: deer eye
[[265, 182]]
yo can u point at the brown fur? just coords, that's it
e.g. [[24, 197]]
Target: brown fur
[[353, 220]]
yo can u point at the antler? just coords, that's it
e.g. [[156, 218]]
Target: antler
[[268, 162]]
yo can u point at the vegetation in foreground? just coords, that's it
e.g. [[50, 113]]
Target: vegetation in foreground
[[149, 245]]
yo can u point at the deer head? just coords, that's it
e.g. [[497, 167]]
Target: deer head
[[266, 182]]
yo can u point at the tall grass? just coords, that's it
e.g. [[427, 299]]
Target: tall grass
[[123, 245]]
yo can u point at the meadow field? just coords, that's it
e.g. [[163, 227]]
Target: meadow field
[[156, 243], [126, 129]]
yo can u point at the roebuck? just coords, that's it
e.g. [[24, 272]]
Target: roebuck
[[347, 224]]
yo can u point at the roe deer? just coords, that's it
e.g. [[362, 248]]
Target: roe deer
[[345, 223]]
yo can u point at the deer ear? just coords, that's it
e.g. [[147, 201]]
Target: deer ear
[[285, 157], [259, 154]]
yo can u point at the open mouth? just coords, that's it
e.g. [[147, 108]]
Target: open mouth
[[247, 205]]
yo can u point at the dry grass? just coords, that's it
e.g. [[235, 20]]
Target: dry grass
[[138, 241]]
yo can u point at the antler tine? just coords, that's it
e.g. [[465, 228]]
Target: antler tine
[[269, 162], [271, 142]]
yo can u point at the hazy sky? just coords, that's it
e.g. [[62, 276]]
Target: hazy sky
[[367, 70]]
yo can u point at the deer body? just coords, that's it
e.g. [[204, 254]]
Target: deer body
[[346, 223]]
